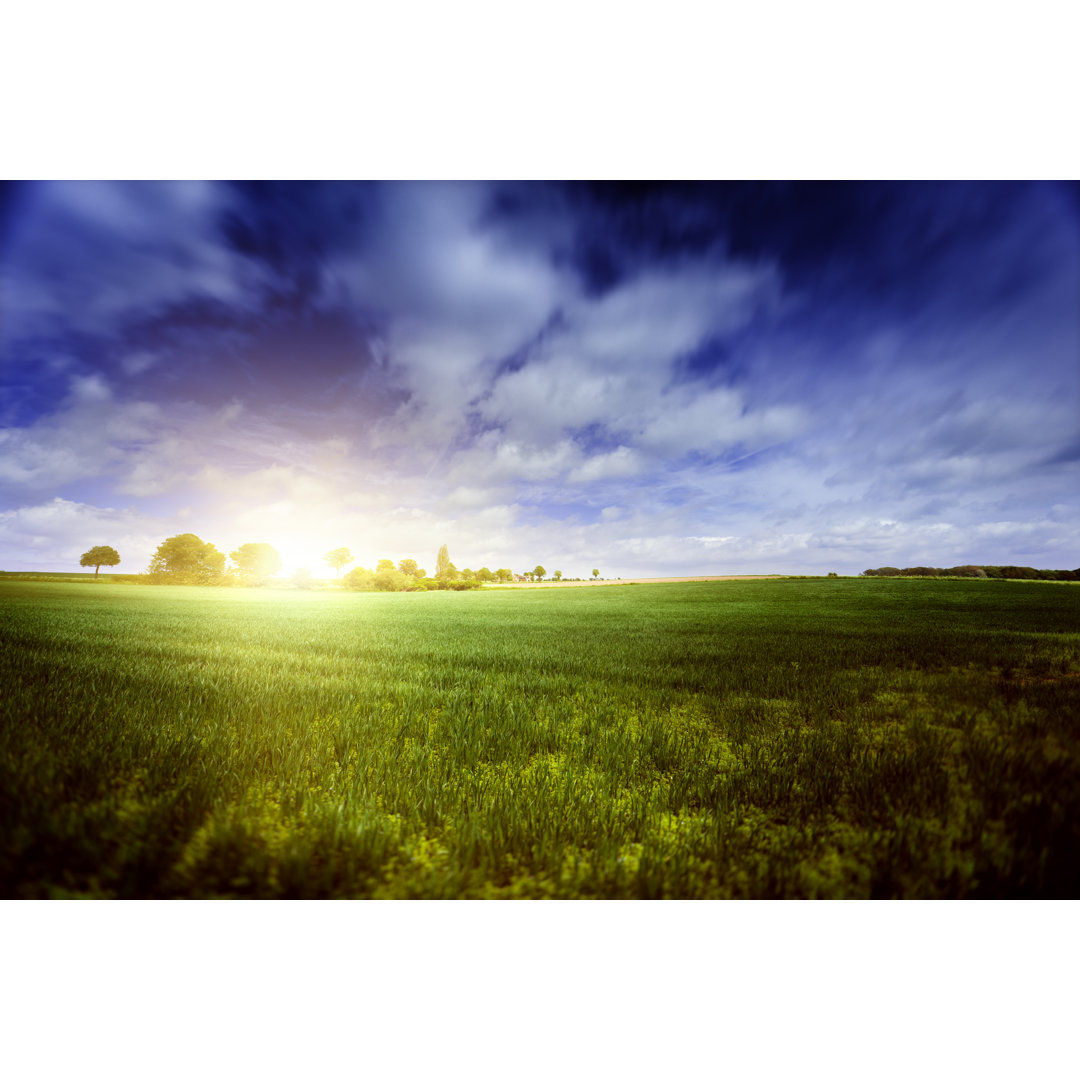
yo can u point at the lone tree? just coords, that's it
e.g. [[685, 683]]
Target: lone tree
[[539, 572], [187, 557], [100, 556], [596, 573], [257, 563], [338, 558], [558, 575]]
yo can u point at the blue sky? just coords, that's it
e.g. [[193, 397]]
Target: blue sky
[[646, 379]]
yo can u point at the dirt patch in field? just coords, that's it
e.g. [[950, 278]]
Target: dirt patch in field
[[640, 581]]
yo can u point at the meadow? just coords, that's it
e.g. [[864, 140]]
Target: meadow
[[837, 738]]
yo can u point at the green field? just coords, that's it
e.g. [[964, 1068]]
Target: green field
[[786, 738]]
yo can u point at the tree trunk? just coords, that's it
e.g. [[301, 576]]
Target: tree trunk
[[96, 569]]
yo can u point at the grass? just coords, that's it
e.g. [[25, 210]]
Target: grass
[[785, 738]]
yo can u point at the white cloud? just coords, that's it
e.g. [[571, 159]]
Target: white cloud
[[620, 463], [716, 420], [611, 362], [85, 438], [459, 301]]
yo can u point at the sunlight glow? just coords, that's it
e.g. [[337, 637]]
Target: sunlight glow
[[301, 546]]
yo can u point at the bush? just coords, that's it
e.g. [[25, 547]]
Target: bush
[[359, 579], [392, 580]]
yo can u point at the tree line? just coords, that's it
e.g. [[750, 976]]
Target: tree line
[[188, 559], [1011, 573]]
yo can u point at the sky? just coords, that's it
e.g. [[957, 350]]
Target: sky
[[646, 379]]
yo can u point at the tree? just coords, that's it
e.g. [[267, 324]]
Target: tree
[[257, 563], [596, 573], [302, 578], [467, 574], [408, 566], [539, 572], [338, 558], [505, 575], [484, 574], [442, 564], [558, 575], [100, 556], [385, 564], [186, 557]]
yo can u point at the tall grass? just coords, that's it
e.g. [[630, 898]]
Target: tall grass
[[839, 738]]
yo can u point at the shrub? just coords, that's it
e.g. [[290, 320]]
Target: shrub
[[386, 579], [359, 579]]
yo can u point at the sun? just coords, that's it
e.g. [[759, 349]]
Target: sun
[[303, 532], [304, 548], [306, 552]]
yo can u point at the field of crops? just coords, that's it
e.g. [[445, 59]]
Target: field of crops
[[783, 738]]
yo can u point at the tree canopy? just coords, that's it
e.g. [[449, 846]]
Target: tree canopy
[[1028, 573], [186, 556], [100, 556], [338, 558], [256, 563], [442, 563]]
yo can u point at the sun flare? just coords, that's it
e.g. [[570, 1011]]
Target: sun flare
[[301, 546]]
